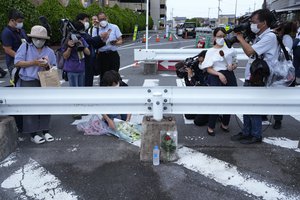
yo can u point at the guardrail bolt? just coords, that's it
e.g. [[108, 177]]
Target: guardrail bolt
[[165, 90], [149, 108], [149, 91], [165, 100], [1, 101], [165, 108], [157, 103], [149, 100], [170, 118]]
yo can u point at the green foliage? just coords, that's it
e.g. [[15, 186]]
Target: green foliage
[[54, 12], [26, 7]]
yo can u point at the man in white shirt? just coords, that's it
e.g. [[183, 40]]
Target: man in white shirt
[[266, 46], [108, 57]]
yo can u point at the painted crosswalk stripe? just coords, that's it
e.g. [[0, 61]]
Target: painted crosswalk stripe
[[32, 181], [229, 175], [151, 82], [283, 142]]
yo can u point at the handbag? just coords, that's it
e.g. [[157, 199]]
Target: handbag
[[49, 78]]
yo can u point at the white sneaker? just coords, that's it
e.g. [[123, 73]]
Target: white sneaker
[[48, 137], [37, 139]]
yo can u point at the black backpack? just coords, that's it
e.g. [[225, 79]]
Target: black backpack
[[260, 72]]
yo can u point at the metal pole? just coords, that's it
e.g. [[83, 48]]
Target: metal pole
[[235, 11], [147, 23]]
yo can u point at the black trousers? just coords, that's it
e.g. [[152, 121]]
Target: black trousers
[[108, 60], [90, 62], [215, 81]]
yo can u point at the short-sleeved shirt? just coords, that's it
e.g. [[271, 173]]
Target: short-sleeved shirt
[[76, 62], [12, 37], [266, 45], [114, 35], [216, 61], [30, 53]]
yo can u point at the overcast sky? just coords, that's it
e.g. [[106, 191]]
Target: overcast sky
[[201, 8]]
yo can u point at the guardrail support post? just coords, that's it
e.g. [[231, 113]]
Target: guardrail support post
[[157, 106]]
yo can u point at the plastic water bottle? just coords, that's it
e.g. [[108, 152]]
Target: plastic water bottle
[[156, 156]]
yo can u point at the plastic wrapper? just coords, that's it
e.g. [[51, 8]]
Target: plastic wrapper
[[168, 145], [282, 74], [127, 131], [94, 126]]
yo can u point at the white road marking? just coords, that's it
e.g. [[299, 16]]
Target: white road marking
[[151, 82], [32, 181], [283, 142], [168, 75], [11, 159], [229, 175], [2, 81]]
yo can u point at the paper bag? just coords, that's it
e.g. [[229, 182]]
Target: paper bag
[[49, 78]]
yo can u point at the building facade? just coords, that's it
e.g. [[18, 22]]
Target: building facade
[[157, 8], [287, 9]]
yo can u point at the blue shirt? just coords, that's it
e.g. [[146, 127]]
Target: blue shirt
[[31, 73], [114, 35], [75, 63], [12, 37]]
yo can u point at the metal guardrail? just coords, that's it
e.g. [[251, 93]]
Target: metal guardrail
[[174, 54], [150, 100]]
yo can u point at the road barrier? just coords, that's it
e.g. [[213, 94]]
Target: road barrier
[[150, 100], [174, 54]]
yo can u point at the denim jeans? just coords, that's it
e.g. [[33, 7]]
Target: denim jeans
[[76, 79], [252, 125]]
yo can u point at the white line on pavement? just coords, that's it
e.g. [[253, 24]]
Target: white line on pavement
[[228, 175], [11, 159], [283, 142], [32, 181]]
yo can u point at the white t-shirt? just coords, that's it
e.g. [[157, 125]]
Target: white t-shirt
[[216, 61], [265, 44], [287, 40]]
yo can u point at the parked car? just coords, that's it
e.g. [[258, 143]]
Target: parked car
[[189, 29]]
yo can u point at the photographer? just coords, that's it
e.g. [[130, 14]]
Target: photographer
[[193, 76], [191, 72], [75, 50], [266, 46], [94, 43]]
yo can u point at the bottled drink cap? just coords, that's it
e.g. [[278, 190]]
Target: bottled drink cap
[[156, 147]]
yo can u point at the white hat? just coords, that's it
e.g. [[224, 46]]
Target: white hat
[[39, 32]]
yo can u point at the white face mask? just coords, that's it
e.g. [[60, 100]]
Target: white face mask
[[254, 28], [103, 23], [220, 41], [19, 25], [86, 25], [38, 43]]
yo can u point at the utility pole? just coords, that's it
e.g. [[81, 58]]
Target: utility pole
[[235, 12], [219, 12]]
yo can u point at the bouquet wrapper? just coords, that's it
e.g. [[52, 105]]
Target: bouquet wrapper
[[168, 145]]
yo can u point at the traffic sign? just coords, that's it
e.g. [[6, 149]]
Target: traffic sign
[[164, 65]]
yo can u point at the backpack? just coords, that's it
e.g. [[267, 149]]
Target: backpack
[[260, 72]]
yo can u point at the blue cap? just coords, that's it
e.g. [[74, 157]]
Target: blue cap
[[156, 147]]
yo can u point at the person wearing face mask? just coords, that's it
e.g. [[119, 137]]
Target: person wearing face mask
[[112, 78], [266, 46], [31, 58], [219, 63], [13, 35], [94, 43], [108, 57]]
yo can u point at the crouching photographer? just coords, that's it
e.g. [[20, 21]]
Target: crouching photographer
[[261, 55], [190, 71]]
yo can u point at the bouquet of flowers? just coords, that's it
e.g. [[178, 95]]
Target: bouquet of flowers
[[168, 143]]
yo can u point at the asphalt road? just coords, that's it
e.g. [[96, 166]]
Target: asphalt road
[[76, 166]]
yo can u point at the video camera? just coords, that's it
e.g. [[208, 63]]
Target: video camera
[[244, 28], [68, 31], [181, 67]]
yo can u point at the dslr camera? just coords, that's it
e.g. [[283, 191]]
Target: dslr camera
[[181, 67], [68, 31], [244, 28]]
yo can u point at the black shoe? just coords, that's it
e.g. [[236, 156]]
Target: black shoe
[[277, 124], [253, 140], [226, 130], [240, 136], [210, 133]]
